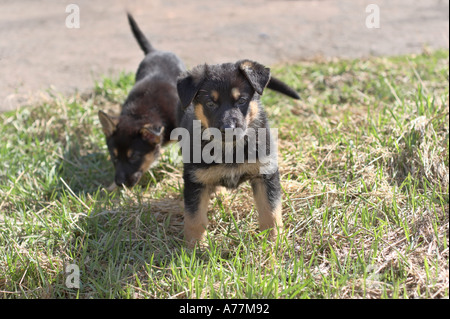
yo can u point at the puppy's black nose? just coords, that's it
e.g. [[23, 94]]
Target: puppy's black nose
[[120, 180]]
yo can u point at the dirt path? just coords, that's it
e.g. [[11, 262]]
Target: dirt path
[[38, 51]]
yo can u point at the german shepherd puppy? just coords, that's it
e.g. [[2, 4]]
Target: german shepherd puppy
[[148, 115], [226, 98]]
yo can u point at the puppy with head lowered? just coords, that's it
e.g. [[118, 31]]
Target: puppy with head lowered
[[148, 115], [225, 98]]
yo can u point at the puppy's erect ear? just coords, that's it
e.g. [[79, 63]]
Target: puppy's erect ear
[[152, 134], [189, 83], [257, 74], [109, 123]]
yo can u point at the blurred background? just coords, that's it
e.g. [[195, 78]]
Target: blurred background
[[39, 54]]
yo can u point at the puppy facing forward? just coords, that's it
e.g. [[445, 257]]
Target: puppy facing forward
[[223, 102], [148, 115]]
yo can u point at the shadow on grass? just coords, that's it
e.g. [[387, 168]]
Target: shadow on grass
[[120, 245], [121, 235]]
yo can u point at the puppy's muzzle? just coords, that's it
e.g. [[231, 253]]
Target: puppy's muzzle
[[128, 181]]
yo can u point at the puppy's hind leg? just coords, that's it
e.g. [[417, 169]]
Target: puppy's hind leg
[[267, 195]]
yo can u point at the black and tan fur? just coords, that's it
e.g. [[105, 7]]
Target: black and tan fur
[[148, 115], [227, 97]]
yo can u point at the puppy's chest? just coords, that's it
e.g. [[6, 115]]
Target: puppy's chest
[[227, 175]]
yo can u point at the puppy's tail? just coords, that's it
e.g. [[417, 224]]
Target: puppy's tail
[[140, 37], [279, 86]]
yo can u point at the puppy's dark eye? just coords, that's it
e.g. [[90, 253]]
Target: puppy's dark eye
[[241, 101], [135, 156], [210, 104]]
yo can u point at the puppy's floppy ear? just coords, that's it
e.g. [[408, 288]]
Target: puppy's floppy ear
[[257, 74], [109, 123], [152, 134], [189, 83]]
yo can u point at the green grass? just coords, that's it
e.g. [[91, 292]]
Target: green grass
[[364, 165]]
